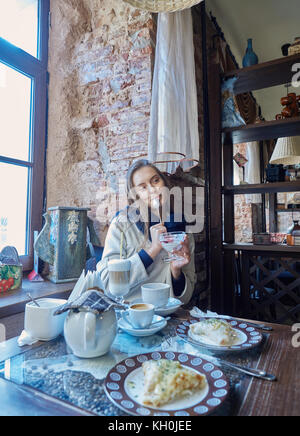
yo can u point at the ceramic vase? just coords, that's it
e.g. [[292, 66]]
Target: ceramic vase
[[250, 57], [62, 243]]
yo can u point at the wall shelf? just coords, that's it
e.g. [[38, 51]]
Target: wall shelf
[[288, 210], [264, 75], [262, 188], [263, 131], [278, 248]]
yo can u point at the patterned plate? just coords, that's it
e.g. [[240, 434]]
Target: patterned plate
[[248, 336], [124, 387]]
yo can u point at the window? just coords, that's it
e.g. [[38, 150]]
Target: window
[[23, 108]]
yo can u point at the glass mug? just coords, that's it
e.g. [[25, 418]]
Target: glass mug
[[119, 277]]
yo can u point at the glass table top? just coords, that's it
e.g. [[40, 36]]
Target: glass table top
[[54, 370]]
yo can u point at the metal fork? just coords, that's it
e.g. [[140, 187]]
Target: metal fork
[[251, 324], [244, 369]]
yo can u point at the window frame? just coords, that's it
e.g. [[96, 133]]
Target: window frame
[[36, 69]]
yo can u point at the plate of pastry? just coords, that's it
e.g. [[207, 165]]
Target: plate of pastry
[[166, 384], [218, 334]]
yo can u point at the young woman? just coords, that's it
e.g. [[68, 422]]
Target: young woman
[[138, 229]]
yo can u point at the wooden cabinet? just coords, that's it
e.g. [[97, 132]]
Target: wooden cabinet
[[233, 288]]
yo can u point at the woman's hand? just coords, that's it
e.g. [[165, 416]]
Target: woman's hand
[[184, 252], [155, 232]]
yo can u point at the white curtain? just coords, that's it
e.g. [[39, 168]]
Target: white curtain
[[174, 109], [252, 170]]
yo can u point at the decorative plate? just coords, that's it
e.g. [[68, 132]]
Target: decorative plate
[[124, 386], [247, 336]]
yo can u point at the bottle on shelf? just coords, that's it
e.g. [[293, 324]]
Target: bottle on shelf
[[250, 57], [293, 234]]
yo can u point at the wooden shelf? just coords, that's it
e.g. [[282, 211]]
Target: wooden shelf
[[278, 248], [262, 188], [262, 131], [265, 75], [288, 210]]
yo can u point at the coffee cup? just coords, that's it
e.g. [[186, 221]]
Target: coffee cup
[[40, 322], [140, 315], [156, 293], [119, 277]]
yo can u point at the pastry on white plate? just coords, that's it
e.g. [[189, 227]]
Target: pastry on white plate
[[166, 380], [217, 331]]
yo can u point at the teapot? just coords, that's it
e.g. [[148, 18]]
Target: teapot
[[90, 335], [90, 327]]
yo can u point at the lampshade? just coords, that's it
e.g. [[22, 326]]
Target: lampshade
[[163, 5], [287, 151]]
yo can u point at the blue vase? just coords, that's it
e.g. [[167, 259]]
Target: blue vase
[[250, 57]]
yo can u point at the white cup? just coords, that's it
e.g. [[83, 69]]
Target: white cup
[[40, 322], [156, 293], [140, 315]]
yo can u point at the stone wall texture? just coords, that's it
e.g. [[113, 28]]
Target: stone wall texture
[[100, 63]]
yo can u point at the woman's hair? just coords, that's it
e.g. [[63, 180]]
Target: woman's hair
[[137, 165]]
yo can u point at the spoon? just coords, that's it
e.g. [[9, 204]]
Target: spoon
[[32, 299], [158, 322], [156, 205]]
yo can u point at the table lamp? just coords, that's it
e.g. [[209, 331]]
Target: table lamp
[[287, 151]]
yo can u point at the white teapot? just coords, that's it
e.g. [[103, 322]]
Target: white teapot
[[90, 335], [91, 325]]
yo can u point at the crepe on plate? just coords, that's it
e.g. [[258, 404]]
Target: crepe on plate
[[215, 330], [166, 380]]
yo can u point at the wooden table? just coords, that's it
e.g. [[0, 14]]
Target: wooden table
[[259, 398]]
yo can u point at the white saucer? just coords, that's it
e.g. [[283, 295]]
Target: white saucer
[[171, 307], [124, 325]]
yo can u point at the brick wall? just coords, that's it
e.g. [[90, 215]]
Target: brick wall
[[101, 67], [101, 60]]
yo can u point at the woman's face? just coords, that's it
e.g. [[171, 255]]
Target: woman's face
[[148, 186]]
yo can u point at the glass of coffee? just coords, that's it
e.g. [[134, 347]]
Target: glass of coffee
[[119, 278]]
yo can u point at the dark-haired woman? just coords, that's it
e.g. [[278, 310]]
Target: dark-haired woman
[[136, 232]]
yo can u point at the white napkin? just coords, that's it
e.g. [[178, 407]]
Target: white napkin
[[26, 339], [86, 282], [197, 313]]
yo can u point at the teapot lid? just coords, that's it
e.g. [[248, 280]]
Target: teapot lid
[[90, 301]]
